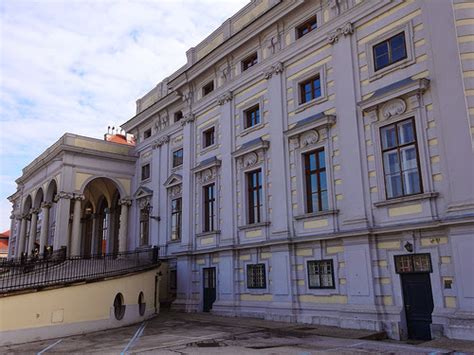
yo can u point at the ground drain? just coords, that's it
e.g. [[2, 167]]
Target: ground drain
[[208, 344]]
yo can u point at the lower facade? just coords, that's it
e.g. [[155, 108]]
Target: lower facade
[[410, 284]]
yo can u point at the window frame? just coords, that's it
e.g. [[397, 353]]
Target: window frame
[[397, 148], [173, 158], [307, 177], [244, 62], [265, 278], [305, 25], [204, 89], [143, 168], [209, 221], [178, 116], [147, 133], [179, 215], [302, 92], [205, 131], [297, 98], [246, 112], [389, 48], [142, 223], [251, 218], [308, 269]]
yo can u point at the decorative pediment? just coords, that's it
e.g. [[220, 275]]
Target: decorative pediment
[[142, 192], [174, 179]]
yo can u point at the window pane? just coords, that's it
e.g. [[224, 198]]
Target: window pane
[[312, 161], [408, 158], [324, 200], [322, 180], [322, 161], [406, 133], [390, 162], [315, 202], [397, 44], [411, 182], [389, 138], [394, 185], [381, 49]]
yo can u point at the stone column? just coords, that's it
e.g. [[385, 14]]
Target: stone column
[[76, 226], [227, 181], [123, 229], [187, 187], [21, 236], [45, 206], [94, 241], [61, 230], [33, 227], [278, 151]]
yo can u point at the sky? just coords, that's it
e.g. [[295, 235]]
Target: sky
[[79, 66]]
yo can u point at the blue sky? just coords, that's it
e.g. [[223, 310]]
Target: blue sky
[[79, 65]]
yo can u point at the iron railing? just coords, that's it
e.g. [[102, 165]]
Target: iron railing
[[58, 269]]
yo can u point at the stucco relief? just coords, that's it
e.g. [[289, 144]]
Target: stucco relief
[[276, 68], [176, 191], [309, 138], [144, 202], [250, 159], [394, 107], [208, 175], [226, 97]]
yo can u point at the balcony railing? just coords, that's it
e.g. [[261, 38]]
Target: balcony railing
[[58, 269]]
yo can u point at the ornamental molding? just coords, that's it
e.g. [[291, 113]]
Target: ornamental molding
[[188, 118], [250, 159], [79, 197], [125, 202], [394, 107], [276, 68], [309, 138], [46, 205], [346, 30], [160, 141], [63, 195], [176, 191], [208, 175], [34, 211], [144, 202], [226, 97]]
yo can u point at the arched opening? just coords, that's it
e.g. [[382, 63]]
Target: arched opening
[[25, 225], [100, 222], [50, 198]]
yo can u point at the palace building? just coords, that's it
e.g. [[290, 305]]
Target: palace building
[[312, 162]]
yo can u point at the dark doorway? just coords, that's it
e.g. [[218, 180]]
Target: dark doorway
[[415, 271], [209, 282]]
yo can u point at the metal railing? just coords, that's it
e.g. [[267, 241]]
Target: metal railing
[[58, 269]]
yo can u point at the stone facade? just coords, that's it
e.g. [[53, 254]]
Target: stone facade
[[359, 230]]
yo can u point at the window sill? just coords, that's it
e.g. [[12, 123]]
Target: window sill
[[313, 102], [316, 214], [253, 226], [208, 149], [205, 234], [177, 241], [375, 75], [251, 129], [403, 199]]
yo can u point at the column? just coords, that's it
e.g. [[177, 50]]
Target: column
[[45, 206], [94, 241], [21, 236], [353, 212], [76, 226], [123, 229], [160, 208], [187, 188], [61, 230], [278, 151], [227, 181], [33, 230]]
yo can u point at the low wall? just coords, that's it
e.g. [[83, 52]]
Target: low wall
[[76, 309]]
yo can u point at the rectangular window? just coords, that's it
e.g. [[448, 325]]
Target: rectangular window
[[209, 207], [208, 137], [250, 61], [306, 27], [390, 51], [177, 158], [145, 172], [320, 274], [315, 181], [400, 159], [147, 133], [310, 89], [208, 88], [256, 276], [252, 116], [178, 116], [176, 219], [144, 226], [254, 195], [413, 263]]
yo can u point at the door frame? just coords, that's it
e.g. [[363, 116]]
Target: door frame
[[203, 268]]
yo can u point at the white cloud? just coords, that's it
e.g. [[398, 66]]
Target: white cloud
[[79, 66]]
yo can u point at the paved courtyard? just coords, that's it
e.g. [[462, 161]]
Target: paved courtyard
[[177, 333]]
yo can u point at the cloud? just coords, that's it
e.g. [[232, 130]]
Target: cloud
[[79, 66]]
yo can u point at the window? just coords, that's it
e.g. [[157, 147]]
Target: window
[[147, 133], [173, 279], [256, 276], [141, 304], [177, 158], [249, 61], [208, 137], [119, 307], [306, 27], [310, 89], [145, 172], [413, 263], [315, 181], [144, 225], [178, 116], [209, 207], [208, 88], [255, 203], [320, 274], [176, 219], [400, 159], [252, 116], [390, 51]]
